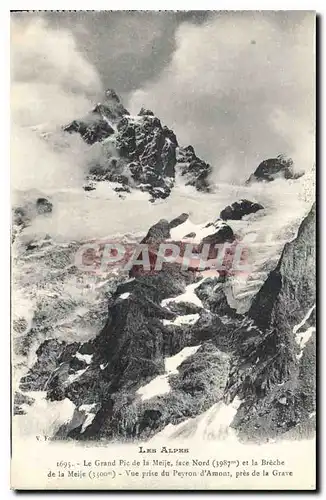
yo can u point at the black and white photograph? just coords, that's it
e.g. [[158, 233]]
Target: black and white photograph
[[163, 250]]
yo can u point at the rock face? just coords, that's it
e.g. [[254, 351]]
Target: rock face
[[195, 170], [239, 209], [99, 123], [20, 403], [282, 363], [92, 128], [291, 287], [138, 151], [274, 168], [172, 347], [50, 356], [43, 206], [149, 150], [143, 329], [210, 235]]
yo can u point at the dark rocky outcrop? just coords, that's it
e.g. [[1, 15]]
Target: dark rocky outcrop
[[220, 233], [99, 123], [195, 170], [51, 363], [21, 400], [212, 294], [23, 214], [145, 112], [274, 168], [149, 150], [239, 209], [93, 128], [158, 233], [20, 216], [179, 220], [43, 206]]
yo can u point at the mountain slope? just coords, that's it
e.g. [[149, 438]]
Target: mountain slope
[[172, 348], [137, 151], [277, 377]]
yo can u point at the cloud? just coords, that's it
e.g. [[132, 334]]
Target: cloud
[[51, 84], [239, 88]]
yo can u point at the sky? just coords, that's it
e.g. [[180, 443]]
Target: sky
[[238, 86]]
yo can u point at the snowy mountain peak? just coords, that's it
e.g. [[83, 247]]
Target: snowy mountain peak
[[142, 153]]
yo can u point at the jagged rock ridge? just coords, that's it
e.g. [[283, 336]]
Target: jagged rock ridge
[[265, 358], [138, 150], [282, 366]]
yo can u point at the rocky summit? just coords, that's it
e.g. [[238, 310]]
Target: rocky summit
[[137, 151]]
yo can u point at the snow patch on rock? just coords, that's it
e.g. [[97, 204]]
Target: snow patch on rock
[[180, 232], [75, 376], [89, 415], [307, 316], [44, 418], [188, 296], [302, 338], [160, 384], [212, 425], [187, 319], [84, 357]]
